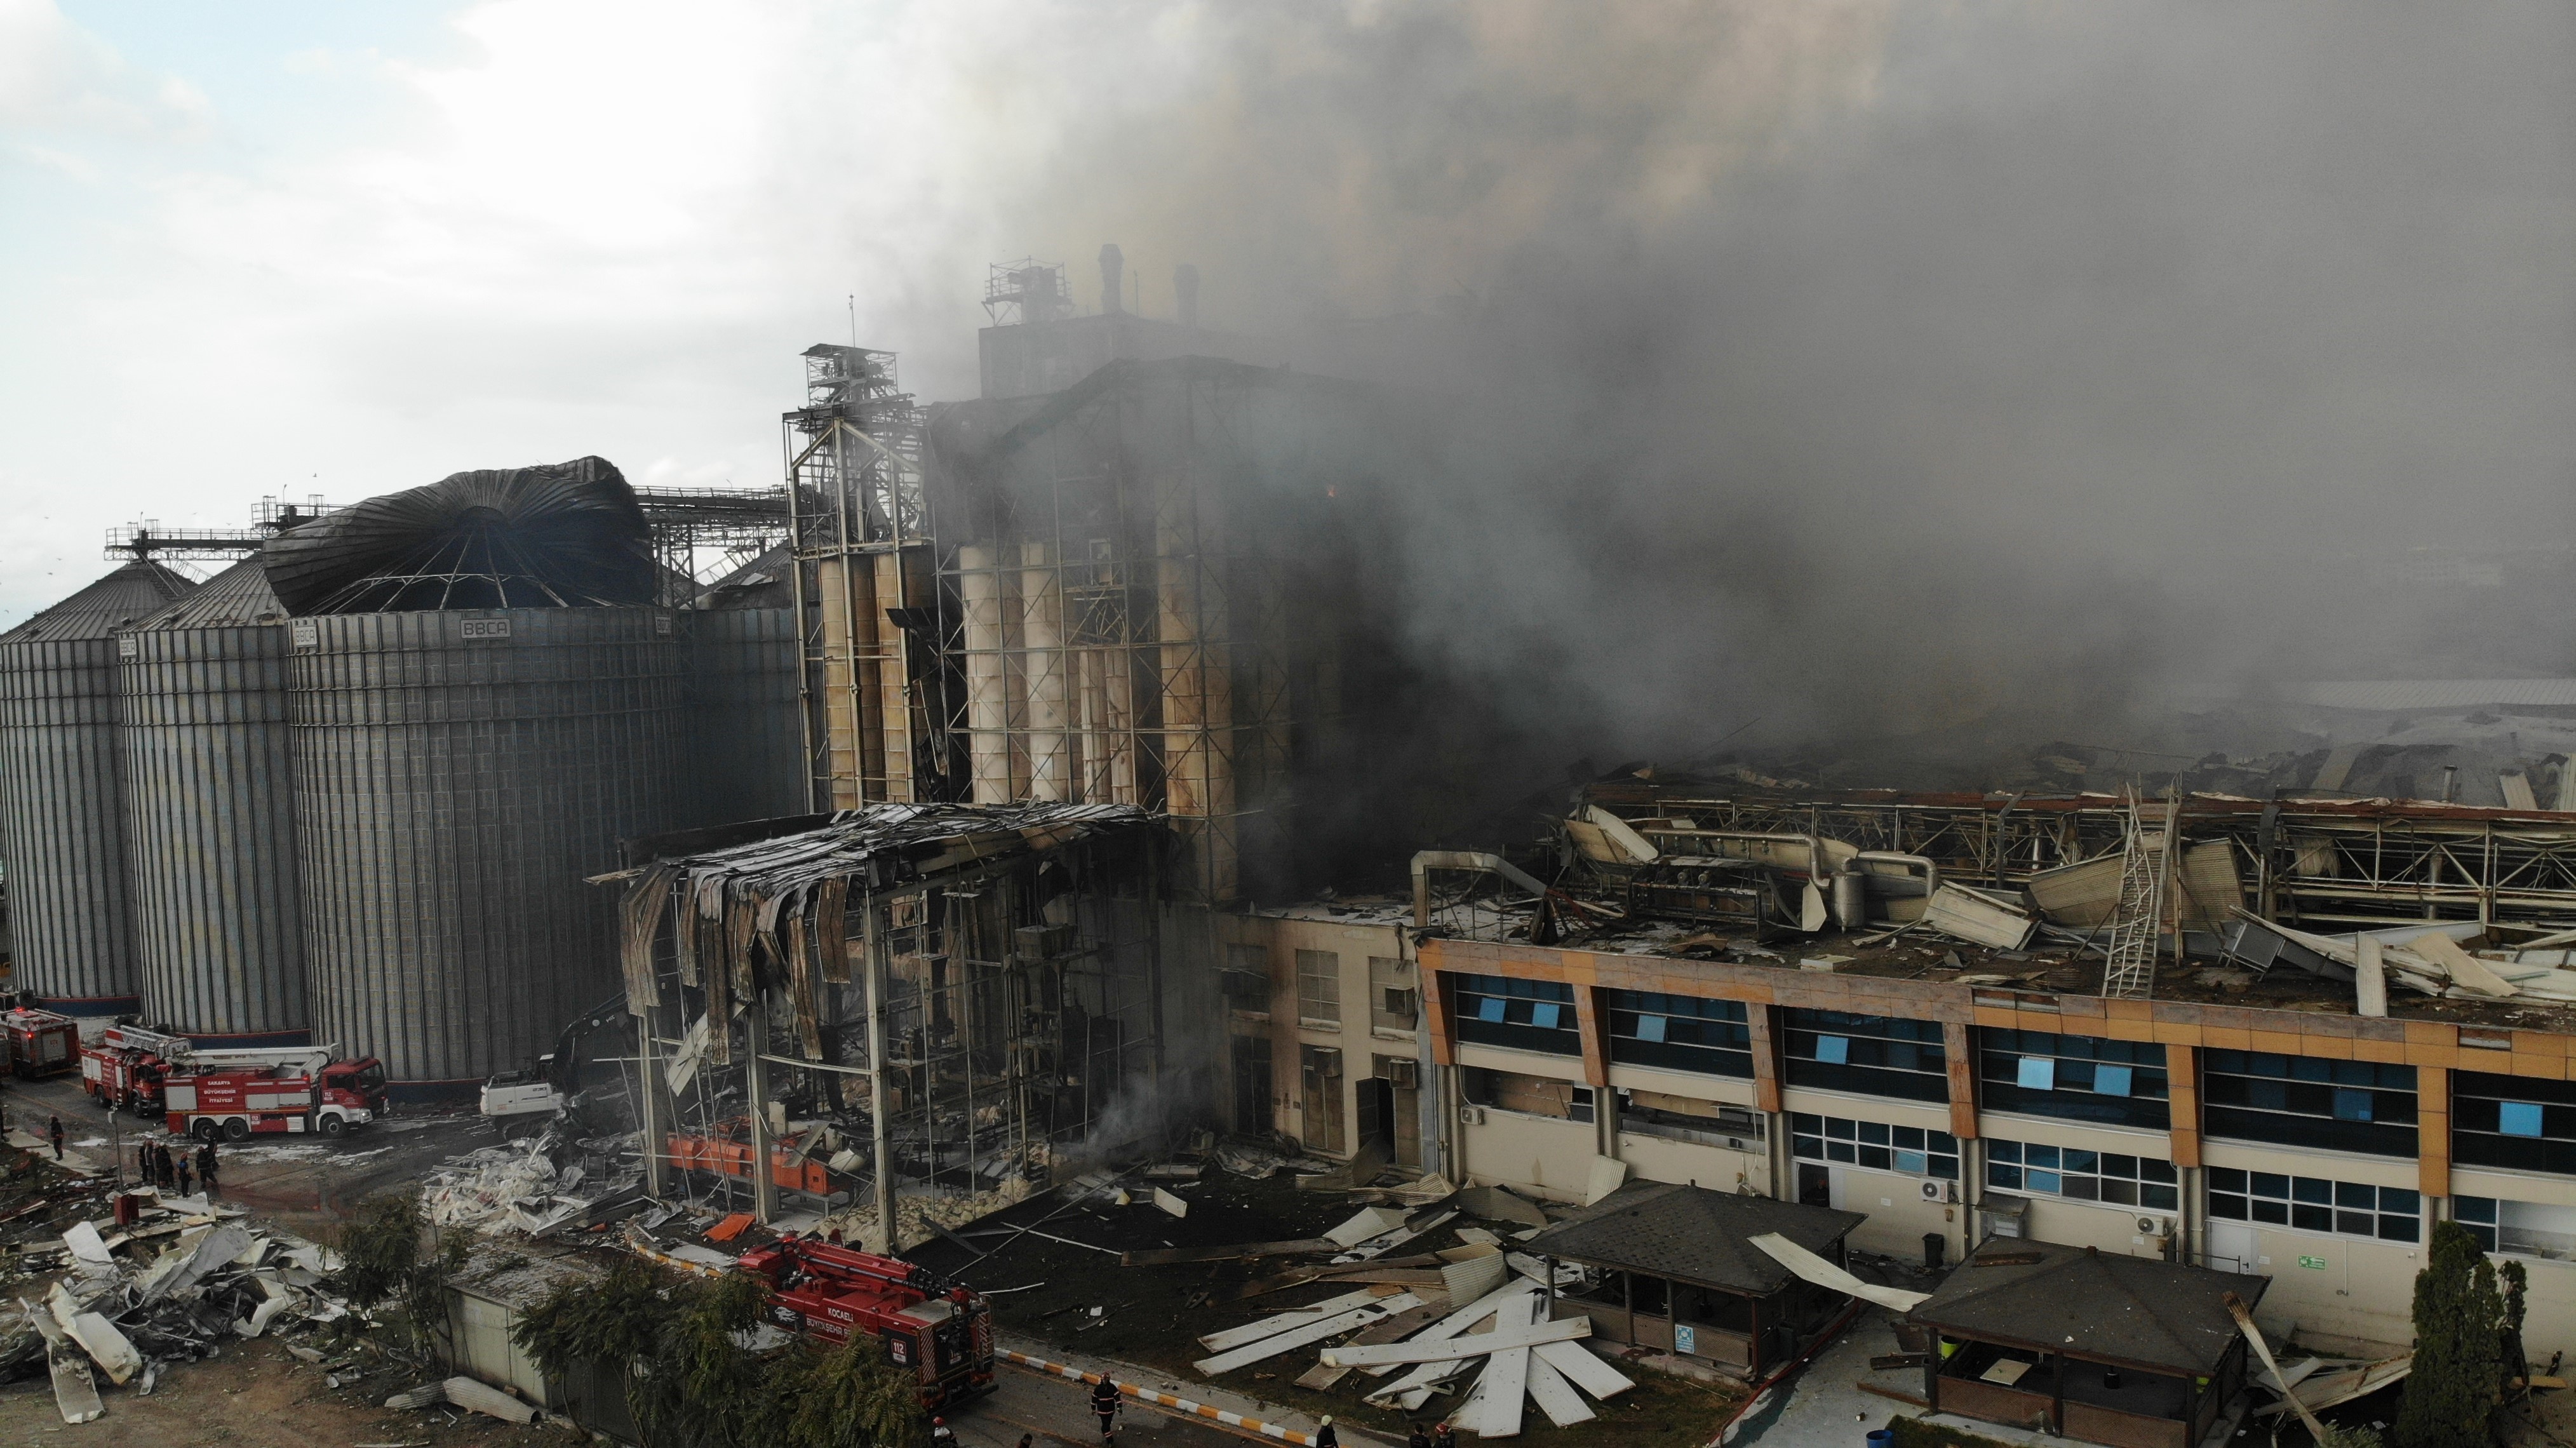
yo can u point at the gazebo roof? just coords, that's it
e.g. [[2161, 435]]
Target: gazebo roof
[[1691, 1234], [2135, 1311]]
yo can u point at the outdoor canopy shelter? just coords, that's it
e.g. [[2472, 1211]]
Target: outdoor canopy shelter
[[1679, 1274], [2128, 1351]]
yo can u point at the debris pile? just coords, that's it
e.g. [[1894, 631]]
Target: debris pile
[[159, 1281], [531, 1185]]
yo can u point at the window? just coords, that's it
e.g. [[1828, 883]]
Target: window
[[1392, 1002], [2361, 1106], [2083, 1176], [1528, 1095], [1879, 1055], [1680, 1033], [2306, 1204], [2073, 1078], [2519, 1229], [1319, 986], [1526, 1015], [1687, 1118], [2520, 1123], [1246, 981], [1906, 1150]]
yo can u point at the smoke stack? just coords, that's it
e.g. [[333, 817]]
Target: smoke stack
[[1113, 277], [1185, 286]]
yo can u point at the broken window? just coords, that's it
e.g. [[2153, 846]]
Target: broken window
[[1874, 1055], [2519, 1123], [1319, 986], [1525, 1015], [1246, 981], [2073, 1078], [2310, 1101], [1392, 1001], [1679, 1033], [1528, 1095], [2519, 1229]]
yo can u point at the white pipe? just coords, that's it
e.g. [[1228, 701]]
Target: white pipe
[[1931, 871]]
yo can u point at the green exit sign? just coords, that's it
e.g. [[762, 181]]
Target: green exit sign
[[2314, 1264]]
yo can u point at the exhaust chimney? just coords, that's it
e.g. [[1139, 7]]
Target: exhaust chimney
[[1113, 269], [1185, 286]]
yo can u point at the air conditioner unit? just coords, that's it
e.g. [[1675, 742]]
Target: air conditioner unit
[[2155, 1226], [1471, 1115], [1403, 1075], [1937, 1189]]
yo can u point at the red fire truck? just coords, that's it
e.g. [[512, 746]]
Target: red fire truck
[[248, 1100], [40, 1042], [939, 1331], [129, 1064]]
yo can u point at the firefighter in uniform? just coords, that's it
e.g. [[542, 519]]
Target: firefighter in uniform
[[1104, 1403]]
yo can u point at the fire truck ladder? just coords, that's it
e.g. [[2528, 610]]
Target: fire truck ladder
[[2129, 973]]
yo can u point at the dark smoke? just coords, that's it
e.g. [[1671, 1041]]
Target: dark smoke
[[1876, 371]]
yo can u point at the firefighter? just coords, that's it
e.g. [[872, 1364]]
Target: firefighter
[[55, 1131], [1418, 1438], [1325, 1437], [185, 1172], [1104, 1405], [1444, 1436], [207, 1163], [941, 1435]]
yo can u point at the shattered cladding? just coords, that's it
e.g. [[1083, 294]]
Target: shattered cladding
[[210, 814], [61, 822]]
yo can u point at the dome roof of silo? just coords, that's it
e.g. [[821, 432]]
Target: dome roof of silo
[[237, 596], [559, 536], [122, 599]]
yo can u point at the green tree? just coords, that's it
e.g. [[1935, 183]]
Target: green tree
[[851, 1397], [382, 1260], [2460, 1322]]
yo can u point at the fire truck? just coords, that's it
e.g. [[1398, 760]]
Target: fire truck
[[129, 1064], [259, 1100], [938, 1331], [40, 1042]]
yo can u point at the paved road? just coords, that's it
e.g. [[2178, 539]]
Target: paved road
[[1057, 1413], [300, 1182]]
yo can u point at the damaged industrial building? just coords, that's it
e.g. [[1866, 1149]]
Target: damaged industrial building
[[1022, 792]]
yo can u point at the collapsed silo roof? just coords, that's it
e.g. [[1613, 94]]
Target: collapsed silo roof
[[559, 536], [121, 599]]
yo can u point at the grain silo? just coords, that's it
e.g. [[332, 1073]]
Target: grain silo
[[746, 703], [483, 707], [210, 815], [61, 804]]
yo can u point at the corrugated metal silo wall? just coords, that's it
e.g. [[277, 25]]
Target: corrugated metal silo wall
[[748, 739], [62, 824], [210, 810], [457, 775]]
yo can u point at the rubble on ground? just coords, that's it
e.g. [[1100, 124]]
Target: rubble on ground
[[116, 1298]]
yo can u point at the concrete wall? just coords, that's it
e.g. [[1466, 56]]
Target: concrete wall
[[1278, 938]]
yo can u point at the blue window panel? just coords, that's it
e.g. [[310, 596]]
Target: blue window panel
[[2040, 1156], [1910, 1163], [2003, 1151], [2038, 1073], [1650, 1028], [1544, 1014], [2351, 1105], [2000, 1175], [2043, 1181], [2109, 1080], [2518, 1118], [1834, 1049], [1490, 1008]]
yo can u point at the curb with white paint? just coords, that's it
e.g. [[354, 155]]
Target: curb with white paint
[[1161, 1400]]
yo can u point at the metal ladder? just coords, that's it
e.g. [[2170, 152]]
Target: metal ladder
[[2129, 972]]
